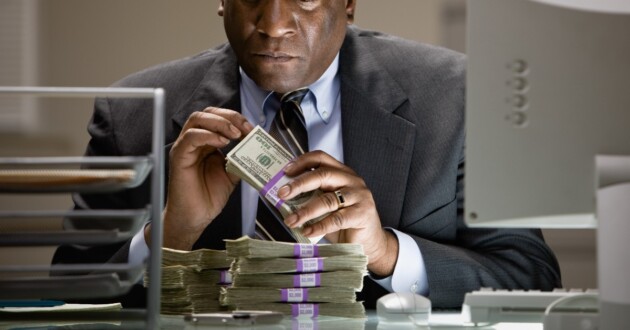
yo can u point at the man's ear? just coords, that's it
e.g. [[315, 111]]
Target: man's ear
[[221, 9], [350, 7]]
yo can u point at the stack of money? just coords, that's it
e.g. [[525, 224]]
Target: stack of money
[[192, 280], [294, 278], [259, 160]]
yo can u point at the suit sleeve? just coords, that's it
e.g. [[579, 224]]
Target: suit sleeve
[[481, 257], [459, 259], [102, 143]]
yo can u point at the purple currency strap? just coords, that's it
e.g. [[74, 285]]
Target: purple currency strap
[[307, 280], [310, 265], [305, 250], [294, 295], [310, 310]]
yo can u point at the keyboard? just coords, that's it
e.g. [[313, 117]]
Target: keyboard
[[493, 305]]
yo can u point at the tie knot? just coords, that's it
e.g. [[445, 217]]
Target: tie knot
[[295, 96]]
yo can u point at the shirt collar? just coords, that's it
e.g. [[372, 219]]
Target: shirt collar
[[323, 94]]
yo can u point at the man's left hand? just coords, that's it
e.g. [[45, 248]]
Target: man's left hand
[[354, 221]]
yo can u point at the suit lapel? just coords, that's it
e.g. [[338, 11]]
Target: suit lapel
[[378, 143], [218, 88]]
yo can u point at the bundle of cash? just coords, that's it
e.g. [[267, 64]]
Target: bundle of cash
[[180, 276], [349, 310], [197, 259], [191, 280], [338, 279], [259, 160], [295, 279], [255, 248], [354, 262], [192, 299], [237, 296]]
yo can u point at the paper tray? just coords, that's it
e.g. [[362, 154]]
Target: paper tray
[[72, 174], [100, 283], [88, 227]]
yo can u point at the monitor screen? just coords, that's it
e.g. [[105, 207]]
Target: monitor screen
[[548, 88]]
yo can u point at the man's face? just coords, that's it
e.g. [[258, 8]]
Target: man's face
[[285, 44]]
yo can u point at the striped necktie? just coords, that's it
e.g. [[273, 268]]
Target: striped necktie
[[288, 126], [289, 129]]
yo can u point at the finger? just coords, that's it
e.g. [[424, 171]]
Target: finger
[[314, 159], [235, 118], [343, 219], [319, 206], [324, 178], [228, 123], [196, 141]]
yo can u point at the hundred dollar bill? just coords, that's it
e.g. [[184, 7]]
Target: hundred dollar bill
[[245, 247], [196, 259], [349, 310], [191, 280], [337, 279], [353, 262], [259, 160], [196, 298], [182, 276], [234, 296]]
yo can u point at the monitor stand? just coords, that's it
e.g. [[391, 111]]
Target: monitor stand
[[613, 240], [609, 309]]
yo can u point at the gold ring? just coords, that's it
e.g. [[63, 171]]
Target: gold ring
[[341, 201]]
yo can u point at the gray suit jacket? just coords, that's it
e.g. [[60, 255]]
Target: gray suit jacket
[[403, 131]]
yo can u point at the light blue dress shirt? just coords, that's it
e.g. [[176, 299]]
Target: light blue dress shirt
[[322, 113]]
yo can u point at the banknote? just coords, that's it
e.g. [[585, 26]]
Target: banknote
[[191, 280], [231, 296], [337, 279], [353, 262], [349, 310], [259, 160], [255, 248], [197, 259]]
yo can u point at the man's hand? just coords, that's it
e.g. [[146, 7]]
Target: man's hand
[[357, 221], [198, 186]]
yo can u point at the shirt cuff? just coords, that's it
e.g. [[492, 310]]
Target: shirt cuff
[[138, 249], [410, 271]]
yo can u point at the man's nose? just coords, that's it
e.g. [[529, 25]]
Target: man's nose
[[276, 19]]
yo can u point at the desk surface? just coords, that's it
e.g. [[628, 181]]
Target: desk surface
[[437, 320]]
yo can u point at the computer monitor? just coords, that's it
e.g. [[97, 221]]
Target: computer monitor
[[548, 89]]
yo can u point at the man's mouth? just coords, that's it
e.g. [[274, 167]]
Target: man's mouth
[[274, 56]]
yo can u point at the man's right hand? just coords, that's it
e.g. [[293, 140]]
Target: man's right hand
[[198, 185]]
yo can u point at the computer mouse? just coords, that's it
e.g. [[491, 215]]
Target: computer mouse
[[397, 307]]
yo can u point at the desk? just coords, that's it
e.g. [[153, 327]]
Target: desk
[[438, 320]]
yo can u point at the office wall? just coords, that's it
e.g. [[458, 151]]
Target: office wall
[[94, 43]]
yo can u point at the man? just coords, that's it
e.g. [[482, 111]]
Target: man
[[385, 125]]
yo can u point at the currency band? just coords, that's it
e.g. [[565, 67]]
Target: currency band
[[294, 295], [301, 250], [310, 310], [307, 280], [310, 265]]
